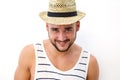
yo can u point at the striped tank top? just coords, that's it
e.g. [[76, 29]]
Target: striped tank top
[[45, 70]]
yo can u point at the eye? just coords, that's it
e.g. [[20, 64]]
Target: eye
[[69, 29], [54, 29]]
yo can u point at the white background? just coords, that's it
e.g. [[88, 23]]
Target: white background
[[100, 33]]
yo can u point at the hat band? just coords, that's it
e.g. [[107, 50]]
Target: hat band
[[63, 14]]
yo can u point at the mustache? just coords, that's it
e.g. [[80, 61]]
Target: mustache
[[63, 41]]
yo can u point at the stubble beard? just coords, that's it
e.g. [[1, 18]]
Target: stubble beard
[[54, 44], [66, 41]]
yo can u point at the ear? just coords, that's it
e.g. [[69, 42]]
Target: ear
[[77, 25], [47, 26]]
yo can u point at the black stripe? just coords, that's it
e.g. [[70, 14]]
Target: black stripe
[[41, 57], [85, 51], [40, 50], [84, 57], [62, 14], [38, 44], [80, 70], [63, 74], [83, 63], [47, 79], [44, 64]]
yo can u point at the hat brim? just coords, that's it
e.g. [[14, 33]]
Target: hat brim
[[61, 20]]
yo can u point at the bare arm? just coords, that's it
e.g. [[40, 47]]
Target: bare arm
[[93, 70], [23, 70]]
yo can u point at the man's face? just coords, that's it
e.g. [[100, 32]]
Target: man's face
[[62, 36]]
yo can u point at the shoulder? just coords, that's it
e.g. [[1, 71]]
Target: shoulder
[[26, 60], [93, 69], [27, 55], [28, 49]]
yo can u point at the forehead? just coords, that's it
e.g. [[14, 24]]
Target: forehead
[[61, 26], [65, 25]]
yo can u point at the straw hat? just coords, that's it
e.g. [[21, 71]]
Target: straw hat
[[62, 12]]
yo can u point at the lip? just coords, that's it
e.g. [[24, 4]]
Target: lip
[[62, 44]]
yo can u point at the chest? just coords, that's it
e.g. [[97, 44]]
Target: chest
[[64, 63], [60, 68]]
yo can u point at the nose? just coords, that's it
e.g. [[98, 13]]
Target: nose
[[61, 36]]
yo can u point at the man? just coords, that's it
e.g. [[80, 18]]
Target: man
[[58, 58]]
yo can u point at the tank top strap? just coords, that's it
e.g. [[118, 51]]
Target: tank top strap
[[84, 62]]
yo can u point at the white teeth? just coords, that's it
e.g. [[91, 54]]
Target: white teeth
[[61, 43]]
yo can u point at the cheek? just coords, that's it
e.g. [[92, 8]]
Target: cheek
[[51, 35], [74, 34], [71, 35]]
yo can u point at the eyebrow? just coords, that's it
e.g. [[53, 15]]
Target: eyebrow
[[69, 27], [54, 28]]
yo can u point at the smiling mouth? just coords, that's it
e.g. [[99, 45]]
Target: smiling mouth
[[62, 43]]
